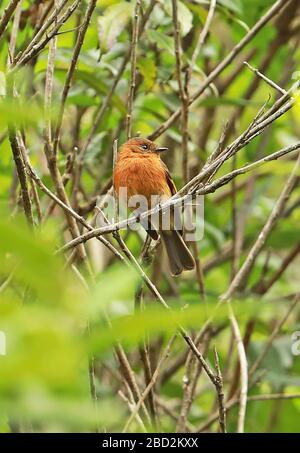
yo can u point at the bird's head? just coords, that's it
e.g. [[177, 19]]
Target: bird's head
[[143, 146]]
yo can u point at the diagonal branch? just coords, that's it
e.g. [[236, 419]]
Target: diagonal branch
[[78, 45], [133, 58], [7, 13]]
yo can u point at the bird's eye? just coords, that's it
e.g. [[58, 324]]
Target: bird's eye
[[144, 146]]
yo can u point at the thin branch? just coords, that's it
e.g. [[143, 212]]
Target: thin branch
[[44, 26], [190, 379], [183, 93], [14, 33], [274, 396], [7, 281], [145, 359], [37, 48], [220, 392], [129, 376], [132, 409], [49, 80], [266, 79], [234, 401], [18, 158], [202, 37], [7, 13], [70, 74], [133, 58], [137, 266], [152, 382], [37, 202], [177, 45], [243, 371]]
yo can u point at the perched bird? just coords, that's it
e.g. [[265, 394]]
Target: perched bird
[[141, 171]]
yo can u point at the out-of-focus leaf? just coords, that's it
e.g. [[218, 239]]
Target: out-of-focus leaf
[[30, 257], [164, 42], [4, 427], [17, 113], [101, 88], [106, 3], [185, 17], [112, 22], [233, 5], [286, 236], [131, 329], [2, 84], [148, 70]]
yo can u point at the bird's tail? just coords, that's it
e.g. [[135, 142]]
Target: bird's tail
[[180, 258]]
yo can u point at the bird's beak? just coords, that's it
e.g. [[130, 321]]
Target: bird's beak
[[161, 149]]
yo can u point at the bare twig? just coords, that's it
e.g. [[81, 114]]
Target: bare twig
[[202, 37], [183, 93], [132, 407], [192, 373], [35, 49], [135, 34], [243, 371], [13, 37], [19, 162], [67, 85], [48, 90], [7, 13], [234, 401], [220, 392], [274, 396], [177, 45], [44, 26], [130, 379], [266, 79], [152, 382]]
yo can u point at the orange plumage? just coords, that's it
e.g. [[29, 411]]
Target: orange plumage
[[141, 171]]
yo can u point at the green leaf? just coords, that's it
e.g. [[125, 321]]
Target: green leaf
[[2, 84], [233, 5], [185, 18], [111, 23], [163, 41], [101, 88], [148, 70]]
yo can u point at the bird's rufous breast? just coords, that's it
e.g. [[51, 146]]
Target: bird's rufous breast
[[141, 175]]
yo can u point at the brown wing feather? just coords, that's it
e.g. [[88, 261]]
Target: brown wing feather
[[169, 179], [176, 211]]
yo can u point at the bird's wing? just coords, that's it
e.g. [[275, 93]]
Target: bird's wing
[[176, 210], [169, 179]]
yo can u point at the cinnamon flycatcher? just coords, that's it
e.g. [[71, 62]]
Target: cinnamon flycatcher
[[140, 170]]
